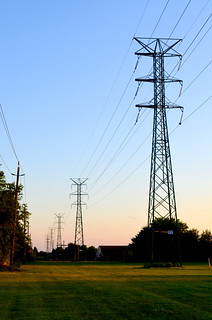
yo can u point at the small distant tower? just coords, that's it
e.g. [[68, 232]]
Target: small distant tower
[[47, 243], [59, 228], [79, 236], [51, 241], [162, 202]]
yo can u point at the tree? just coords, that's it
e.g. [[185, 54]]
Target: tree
[[7, 209], [166, 241], [138, 247], [91, 254], [23, 243], [192, 246], [12, 217], [205, 242], [58, 254], [70, 252]]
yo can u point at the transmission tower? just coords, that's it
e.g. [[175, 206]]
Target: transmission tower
[[51, 240], [162, 202], [47, 243], [59, 228], [79, 237]]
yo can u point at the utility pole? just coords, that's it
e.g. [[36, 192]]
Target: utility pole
[[12, 258], [59, 228], [79, 236], [162, 202]]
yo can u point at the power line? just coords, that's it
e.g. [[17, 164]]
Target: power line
[[7, 131], [109, 193], [5, 164], [198, 33], [121, 146], [199, 14], [164, 9], [126, 162], [108, 127], [192, 43], [142, 15], [119, 150], [182, 14], [198, 42], [195, 110], [114, 112], [112, 159], [103, 108], [197, 76], [191, 114], [111, 136]]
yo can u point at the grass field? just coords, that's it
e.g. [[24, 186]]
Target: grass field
[[103, 291]]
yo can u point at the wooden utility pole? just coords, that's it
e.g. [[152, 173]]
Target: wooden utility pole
[[12, 260]]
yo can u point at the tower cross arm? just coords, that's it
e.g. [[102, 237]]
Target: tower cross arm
[[171, 47], [79, 181], [159, 45], [148, 48]]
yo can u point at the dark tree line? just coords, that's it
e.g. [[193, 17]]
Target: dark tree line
[[14, 219], [73, 253], [193, 245]]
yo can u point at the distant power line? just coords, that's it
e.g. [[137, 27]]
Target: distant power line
[[7, 131]]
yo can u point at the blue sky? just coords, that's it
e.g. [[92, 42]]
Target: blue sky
[[69, 104]]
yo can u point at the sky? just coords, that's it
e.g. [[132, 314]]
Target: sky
[[67, 90]]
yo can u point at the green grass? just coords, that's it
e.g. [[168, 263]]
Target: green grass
[[103, 291]]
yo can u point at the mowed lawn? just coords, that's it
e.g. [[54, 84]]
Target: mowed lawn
[[91, 291]]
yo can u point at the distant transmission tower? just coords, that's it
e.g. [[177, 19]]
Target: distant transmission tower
[[79, 236], [51, 239], [162, 202], [59, 228], [47, 243]]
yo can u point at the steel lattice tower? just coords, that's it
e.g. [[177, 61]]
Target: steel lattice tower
[[47, 243], [162, 202], [59, 228], [79, 236], [51, 239]]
